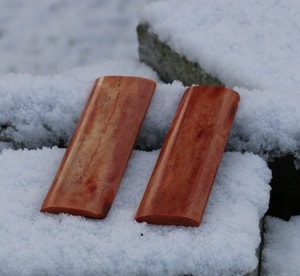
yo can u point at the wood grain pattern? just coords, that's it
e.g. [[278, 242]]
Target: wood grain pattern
[[179, 187], [93, 165]]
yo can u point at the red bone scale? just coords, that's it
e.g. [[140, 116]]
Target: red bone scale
[[93, 165], [179, 187]]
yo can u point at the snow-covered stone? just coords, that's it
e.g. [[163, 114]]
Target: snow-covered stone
[[34, 243]]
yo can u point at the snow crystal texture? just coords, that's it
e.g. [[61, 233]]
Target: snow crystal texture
[[281, 250], [252, 44], [35, 243]]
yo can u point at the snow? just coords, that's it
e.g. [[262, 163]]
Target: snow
[[267, 123], [52, 52], [250, 47], [52, 36], [282, 246], [252, 44], [47, 110], [33, 243], [43, 110]]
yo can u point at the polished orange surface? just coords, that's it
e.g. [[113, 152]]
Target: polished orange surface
[[93, 165], [179, 188]]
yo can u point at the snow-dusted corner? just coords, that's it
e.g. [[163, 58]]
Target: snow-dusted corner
[[168, 64], [282, 243], [267, 123], [34, 243], [249, 44]]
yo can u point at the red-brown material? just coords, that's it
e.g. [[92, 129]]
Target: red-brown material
[[92, 167], [179, 187]]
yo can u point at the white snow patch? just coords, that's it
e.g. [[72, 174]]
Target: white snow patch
[[41, 111], [282, 244], [35, 243], [252, 44], [42, 37], [267, 123]]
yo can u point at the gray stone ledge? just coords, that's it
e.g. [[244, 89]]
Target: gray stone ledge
[[167, 63]]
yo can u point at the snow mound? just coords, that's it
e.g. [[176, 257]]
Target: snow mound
[[282, 243], [35, 243], [39, 111], [267, 123], [243, 43]]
